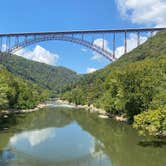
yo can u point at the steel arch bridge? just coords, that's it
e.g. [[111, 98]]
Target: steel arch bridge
[[87, 44], [16, 41]]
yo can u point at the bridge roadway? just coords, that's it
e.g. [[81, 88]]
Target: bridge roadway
[[83, 32], [16, 41]]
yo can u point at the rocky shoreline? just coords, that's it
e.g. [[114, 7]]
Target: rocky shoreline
[[101, 112], [64, 103], [38, 107]]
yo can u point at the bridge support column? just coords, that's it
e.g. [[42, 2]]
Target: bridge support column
[[125, 43], [26, 38], [138, 38], [82, 36], [103, 42], [92, 40], [16, 41], [114, 44], [7, 44], [0, 44], [151, 34]]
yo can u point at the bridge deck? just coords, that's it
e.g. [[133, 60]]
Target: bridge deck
[[83, 31]]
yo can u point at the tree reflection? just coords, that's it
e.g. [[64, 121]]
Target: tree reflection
[[117, 141]]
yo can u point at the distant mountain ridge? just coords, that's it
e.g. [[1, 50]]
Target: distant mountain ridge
[[50, 77]]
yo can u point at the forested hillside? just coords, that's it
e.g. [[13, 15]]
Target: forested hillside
[[16, 93], [134, 86], [46, 76]]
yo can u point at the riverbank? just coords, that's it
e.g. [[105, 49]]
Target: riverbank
[[38, 107], [101, 112], [64, 103]]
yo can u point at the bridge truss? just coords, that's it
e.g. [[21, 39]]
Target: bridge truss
[[13, 42]]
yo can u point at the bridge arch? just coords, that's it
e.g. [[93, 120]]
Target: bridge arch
[[72, 39]]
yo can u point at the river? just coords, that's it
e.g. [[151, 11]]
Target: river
[[60, 136]]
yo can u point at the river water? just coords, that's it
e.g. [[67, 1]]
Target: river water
[[70, 137]]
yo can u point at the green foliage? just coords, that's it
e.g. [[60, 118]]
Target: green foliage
[[130, 89], [17, 93], [152, 122], [133, 84], [4, 89], [153, 48], [49, 77]]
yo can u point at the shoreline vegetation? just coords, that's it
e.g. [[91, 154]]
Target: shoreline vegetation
[[92, 109], [57, 102], [134, 87], [64, 103]]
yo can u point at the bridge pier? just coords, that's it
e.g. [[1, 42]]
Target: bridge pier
[[7, 44], [1, 44], [16, 40], [114, 44], [138, 38], [103, 41], [125, 43]]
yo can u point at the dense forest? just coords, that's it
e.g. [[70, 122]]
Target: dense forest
[[134, 86], [49, 77], [25, 83], [16, 93]]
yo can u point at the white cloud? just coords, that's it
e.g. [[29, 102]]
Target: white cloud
[[131, 44], [96, 152], [91, 70], [39, 54], [149, 12], [33, 137], [84, 50], [4, 47], [99, 42]]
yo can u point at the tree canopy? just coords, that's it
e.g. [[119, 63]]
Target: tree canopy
[[134, 84]]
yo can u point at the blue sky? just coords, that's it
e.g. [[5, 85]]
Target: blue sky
[[60, 15]]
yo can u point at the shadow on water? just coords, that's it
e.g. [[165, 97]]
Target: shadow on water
[[7, 121], [153, 143], [3, 164], [30, 121], [122, 143]]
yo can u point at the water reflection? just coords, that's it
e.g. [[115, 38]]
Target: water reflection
[[54, 144], [32, 138], [64, 137], [63, 145]]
